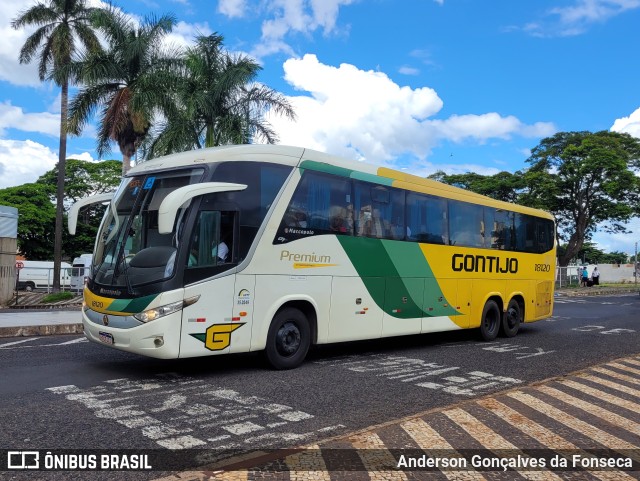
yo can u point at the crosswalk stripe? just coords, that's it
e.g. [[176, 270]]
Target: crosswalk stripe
[[544, 435], [598, 435], [633, 361], [374, 453], [493, 441], [311, 459], [624, 367], [612, 385], [623, 403], [431, 442], [602, 413], [616, 375]]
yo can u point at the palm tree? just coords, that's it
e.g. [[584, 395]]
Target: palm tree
[[127, 81], [216, 102], [61, 24]]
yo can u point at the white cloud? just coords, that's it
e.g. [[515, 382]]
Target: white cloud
[[24, 161], [284, 17], [183, 34], [406, 70], [630, 125], [232, 8], [12, 40], [575, 19], [15, 118], [364, 114]]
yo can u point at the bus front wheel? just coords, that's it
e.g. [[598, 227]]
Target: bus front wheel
[[512, 319], [288, 339], [491, 320]]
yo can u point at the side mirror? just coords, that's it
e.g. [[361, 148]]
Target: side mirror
[[173, 201], [72, 216]]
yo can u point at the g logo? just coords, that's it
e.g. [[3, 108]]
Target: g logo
[[218, 336]]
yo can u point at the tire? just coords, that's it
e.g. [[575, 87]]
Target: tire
[[288, 339], [491, 321], [512, 319], [29, 287]]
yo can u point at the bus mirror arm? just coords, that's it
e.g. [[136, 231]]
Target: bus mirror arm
[[172, 202], [72, 219]]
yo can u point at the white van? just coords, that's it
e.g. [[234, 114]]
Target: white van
[[80, 271], [39, 275]]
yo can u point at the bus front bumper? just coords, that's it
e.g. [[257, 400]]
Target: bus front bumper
[[159, 338]]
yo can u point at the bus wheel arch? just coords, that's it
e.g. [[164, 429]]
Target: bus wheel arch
[[491, 319], [291, 332], [513, 316]]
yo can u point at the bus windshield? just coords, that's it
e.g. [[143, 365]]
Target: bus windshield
[[130, 226]]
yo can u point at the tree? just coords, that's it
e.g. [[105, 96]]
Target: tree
[[61, 24], [503, 186], [586, 180], [128, 81], [84, 179], [216, 102], [36, 218]]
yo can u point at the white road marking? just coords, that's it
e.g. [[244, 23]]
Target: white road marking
[[179, 412]]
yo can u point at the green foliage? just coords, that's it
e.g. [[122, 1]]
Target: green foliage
[[589, 254], [36, 218], [85, 178], [503, 186], [57, 296], [587, 181], [126, 83], [216, 102], [37, 212]]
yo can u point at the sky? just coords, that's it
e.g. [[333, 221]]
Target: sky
[[416, 85]]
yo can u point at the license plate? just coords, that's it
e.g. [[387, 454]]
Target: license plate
[[106, 337]]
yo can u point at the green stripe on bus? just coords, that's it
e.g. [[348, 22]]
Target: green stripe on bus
[[131, 305], [406, 271], [342, 172]]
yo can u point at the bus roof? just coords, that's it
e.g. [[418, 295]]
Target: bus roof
[[314, 160]]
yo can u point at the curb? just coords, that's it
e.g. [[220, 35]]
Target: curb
[[587, 292], [43, 330]]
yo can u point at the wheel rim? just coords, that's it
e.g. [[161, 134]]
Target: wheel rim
[[512, 317], [491, 321], [288, 339]]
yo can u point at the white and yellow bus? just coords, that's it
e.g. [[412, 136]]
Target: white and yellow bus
[[259, 247]]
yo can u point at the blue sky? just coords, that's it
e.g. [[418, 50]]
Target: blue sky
[[420, 85]]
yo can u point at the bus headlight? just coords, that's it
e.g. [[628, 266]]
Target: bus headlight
[[157, 312]]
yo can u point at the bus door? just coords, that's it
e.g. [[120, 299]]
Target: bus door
[[208, 324]]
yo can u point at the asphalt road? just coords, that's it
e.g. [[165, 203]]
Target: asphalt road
[[63, 392]]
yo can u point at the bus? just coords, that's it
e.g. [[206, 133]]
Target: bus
[[275, 249]]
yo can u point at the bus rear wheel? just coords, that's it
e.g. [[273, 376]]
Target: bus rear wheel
[[490, 322], [512, 319], [288, 339]]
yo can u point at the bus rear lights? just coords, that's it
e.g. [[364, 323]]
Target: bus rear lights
[[158, 312], [158, 341]]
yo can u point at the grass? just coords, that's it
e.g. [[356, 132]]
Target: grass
[[57, 296]]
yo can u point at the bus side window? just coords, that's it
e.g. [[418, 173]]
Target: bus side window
[[466, 224]]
